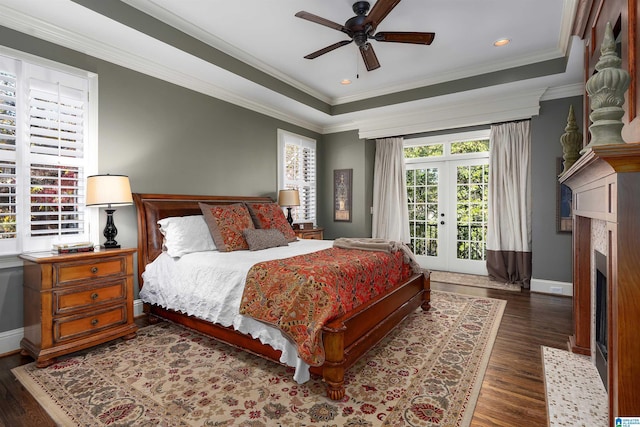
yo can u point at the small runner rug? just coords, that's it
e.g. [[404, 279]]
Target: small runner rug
[[575, 394], [472, 280], [427, 372]]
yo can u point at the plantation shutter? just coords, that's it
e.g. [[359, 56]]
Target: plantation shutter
[[57, 115], [300, 174], [8, 170], [44, 141]]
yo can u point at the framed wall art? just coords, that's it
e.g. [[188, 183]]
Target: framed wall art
[[564, 210], [342, 188]]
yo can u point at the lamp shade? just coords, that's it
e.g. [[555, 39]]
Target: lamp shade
[[289, 198], [108, 190]]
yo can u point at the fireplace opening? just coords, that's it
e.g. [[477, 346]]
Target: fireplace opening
[[601, 315]]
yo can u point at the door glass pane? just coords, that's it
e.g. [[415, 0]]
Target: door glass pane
[[422, 192], [471, 211]]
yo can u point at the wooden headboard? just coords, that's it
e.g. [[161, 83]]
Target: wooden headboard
[[153, 207]]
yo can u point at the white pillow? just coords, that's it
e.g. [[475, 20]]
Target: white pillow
[[185, 234]]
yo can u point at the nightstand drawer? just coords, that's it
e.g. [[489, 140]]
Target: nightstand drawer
[[65, 301], [73, 271], [314, 235], [74, 327]]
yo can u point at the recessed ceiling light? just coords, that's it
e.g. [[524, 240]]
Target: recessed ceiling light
[[345, 82], [501, 42]]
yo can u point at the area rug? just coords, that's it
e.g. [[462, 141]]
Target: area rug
[[574, 391], [427, 372], [472, 280]]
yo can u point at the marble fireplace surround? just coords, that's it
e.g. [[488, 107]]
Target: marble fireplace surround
[[605, 183]]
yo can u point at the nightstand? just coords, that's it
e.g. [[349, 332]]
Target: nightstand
[[76, 301], [310, 233]]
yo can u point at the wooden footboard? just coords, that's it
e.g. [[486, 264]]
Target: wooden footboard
[[349, 337], [345, 339]]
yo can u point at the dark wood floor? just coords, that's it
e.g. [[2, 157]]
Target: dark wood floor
[[512, 391]]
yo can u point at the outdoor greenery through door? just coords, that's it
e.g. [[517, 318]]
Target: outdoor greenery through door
[[447, 190]]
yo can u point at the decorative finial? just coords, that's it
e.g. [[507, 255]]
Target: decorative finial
[[571, 141], [606, 90]]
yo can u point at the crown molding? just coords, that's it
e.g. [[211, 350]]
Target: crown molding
[[569, 8], [577, 89], [478, 111]]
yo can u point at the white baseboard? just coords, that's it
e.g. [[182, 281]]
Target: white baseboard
[[137, 308], [552, 287], [10, 340]]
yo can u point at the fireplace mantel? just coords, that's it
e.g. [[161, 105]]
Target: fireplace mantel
[[605, 183]]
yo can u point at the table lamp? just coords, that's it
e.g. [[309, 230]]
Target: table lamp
[[289, 199], [109, 190]]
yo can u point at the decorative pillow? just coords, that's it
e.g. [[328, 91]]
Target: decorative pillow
[[270, 215], [259, 239], [185, 234], [226, 223]]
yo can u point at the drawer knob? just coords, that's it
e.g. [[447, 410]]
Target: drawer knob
[[94, 295], [94, 322], [94, 270]]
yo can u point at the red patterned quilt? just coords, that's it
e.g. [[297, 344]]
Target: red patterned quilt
[[299, 295]]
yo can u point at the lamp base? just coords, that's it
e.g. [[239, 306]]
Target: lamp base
[[110, 231], [106, 246], [289, 217]]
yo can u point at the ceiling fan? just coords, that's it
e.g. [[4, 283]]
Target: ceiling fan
[[362, 27]]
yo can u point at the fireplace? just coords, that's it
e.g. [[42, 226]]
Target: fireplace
[[606, 261], [601, 315]]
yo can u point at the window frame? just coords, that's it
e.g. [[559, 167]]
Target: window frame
[[24, 241], [282, 182]]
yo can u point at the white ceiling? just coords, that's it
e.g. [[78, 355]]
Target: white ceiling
[[267, 36]]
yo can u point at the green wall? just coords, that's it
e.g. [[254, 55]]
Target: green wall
[[551, 250], [345, 150]]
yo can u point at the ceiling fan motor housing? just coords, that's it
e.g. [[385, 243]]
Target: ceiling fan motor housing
[[356, 25]]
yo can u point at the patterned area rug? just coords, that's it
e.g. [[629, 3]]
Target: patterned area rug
[[575, 393], [427, 372], [472, 280]]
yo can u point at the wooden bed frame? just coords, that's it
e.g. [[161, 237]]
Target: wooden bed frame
[[345, 339]]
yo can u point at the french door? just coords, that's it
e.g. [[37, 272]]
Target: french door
[[448, 203]]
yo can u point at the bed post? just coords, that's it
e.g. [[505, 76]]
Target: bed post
[[333, 368], [426, 296]]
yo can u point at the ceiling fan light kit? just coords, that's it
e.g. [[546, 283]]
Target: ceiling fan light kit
[[362, 27]]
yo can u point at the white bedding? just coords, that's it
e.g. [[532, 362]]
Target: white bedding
[[209, 285]]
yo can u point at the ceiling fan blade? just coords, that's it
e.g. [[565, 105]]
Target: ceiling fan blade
[[327, 49], [322, 21], [369, 57], [380, 10], [405, 37]]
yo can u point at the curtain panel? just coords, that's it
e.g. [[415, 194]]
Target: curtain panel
[[390, 210], [509, 227]]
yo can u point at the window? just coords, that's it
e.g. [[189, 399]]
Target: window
[[44, 154], [297, 170]]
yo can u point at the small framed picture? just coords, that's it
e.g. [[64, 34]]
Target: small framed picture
[[342, 188], [564, 207]]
